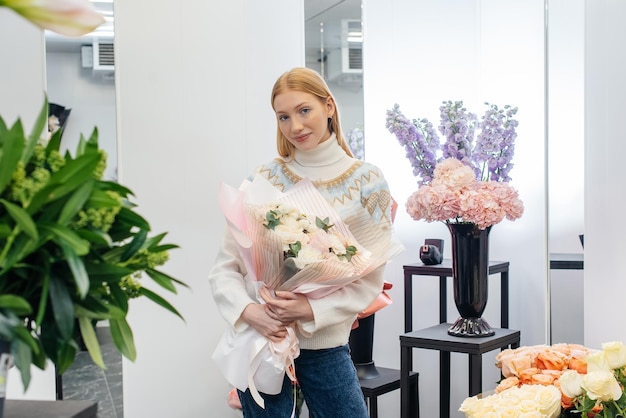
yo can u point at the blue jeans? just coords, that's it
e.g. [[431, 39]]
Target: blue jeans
[[329, 385]]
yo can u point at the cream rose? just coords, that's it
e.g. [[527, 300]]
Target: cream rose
[[596, 362], [570, 383], [615, 353], [601, 385]]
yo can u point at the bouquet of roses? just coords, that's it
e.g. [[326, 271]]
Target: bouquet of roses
[[293, 241]]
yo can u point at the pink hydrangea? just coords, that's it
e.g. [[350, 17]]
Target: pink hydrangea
[[455, 195]]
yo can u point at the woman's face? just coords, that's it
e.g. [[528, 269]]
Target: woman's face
[[302, 118]]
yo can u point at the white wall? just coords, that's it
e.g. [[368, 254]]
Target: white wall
[[193, 110], [23, 87], [604, 175], [417, 54]]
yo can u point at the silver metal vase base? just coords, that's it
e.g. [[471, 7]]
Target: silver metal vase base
[[471, 327]]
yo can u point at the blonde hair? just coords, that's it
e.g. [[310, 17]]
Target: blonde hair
[[307, 81]]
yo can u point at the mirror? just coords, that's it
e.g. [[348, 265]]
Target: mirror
[[565, 132], [81, 91], [334, 48]]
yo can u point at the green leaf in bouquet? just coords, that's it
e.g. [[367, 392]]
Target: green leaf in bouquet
[[106, 271], [35, 135], [101, 199], [96, 237], [161, 279], [123, 339], [65, 181], [77, 267], [22, 358], [135, 245], [62, 234], [62, 307], [17, 304], [88, 332], [159, 300], [323, 223], [21, 218], [10, 153], [65, 355], [76, 202]]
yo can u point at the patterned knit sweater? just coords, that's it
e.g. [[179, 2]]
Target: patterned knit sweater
[[359, 193]]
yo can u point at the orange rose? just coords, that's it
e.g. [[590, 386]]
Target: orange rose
[[526, 375], [541, 379], [551, 360], [578, 364], [507, 383]]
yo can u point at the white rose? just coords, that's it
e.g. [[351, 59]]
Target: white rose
[[549, 401], [307, 255], [570, 382], [601, 385], [596, 362], [615, 353]]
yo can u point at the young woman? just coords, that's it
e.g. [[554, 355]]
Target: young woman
[[311, 145]]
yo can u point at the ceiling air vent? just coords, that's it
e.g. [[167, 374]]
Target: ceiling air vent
[[345, 63], [103, 59]]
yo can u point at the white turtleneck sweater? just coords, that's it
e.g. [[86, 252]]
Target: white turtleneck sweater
[[359, 193]]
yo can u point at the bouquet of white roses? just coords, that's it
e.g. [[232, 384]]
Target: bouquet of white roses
[[293, 241]]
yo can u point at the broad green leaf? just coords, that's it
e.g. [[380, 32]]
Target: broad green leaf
[[76, 202], [123, 339], [96, 237], [45, 291], [65, 356], [81, 278], [160, 301], [106, 271], [22, 358], [62, 307], [162, 279], [41, 123], [68, 236], [135, 245], [65, 181], [100, 199], [95, 309], [91, 341], [129, 217], [115, 187], [21, 218], [119, 296], [17, 304], [5, 231], [10, 153]]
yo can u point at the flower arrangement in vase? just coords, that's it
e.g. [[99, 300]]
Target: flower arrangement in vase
[[463, 182]]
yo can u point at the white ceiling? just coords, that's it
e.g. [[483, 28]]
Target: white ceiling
[[328, 12]]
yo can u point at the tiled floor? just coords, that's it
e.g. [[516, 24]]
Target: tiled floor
[[86, 381]]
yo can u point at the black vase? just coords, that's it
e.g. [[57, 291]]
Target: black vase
[[361, 348], [5, 361], [470, 271]]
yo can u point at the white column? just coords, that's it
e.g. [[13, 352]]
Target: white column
[[194, 81]]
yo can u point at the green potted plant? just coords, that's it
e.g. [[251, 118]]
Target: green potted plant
[[72, 250]]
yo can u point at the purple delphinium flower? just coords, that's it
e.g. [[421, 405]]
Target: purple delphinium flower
[[495, 143], [458, 125], [419, 140], [355, 139]]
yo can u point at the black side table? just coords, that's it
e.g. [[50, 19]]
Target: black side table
[[443, 271], [437, 338], [389, 380]]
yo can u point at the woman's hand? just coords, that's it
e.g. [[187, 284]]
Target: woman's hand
[[257, 316], [286, 307]]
